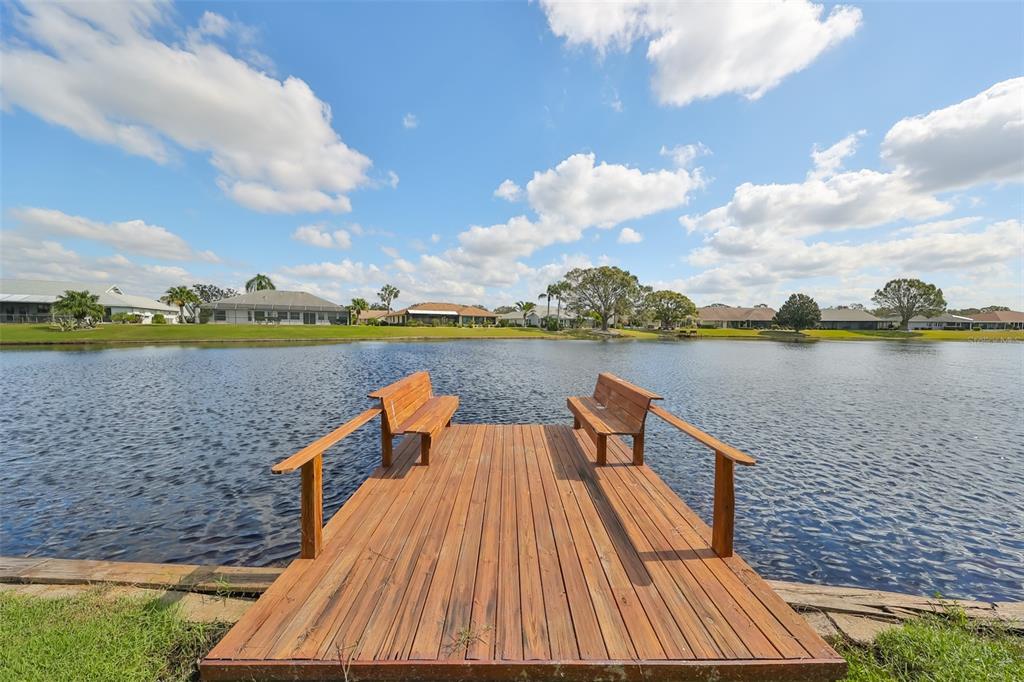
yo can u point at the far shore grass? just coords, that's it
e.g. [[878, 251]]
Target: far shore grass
[[90, 638], [41, 334]]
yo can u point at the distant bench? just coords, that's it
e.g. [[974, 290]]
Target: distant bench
[[410, 406], [617, 408]]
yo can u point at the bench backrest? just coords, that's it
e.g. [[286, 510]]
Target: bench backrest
[[400, 399], [628, 401]]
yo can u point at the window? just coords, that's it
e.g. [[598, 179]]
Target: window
[[220, 316], [320, 316], [260, 316], [248, 315], [295, 315]]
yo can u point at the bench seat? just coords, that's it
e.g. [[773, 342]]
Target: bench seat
[[617, 408], [432, 415], [410, 406]]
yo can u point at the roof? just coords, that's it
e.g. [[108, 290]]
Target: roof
[[372, 314], [944, 317], [431, 308], [539, 312], [847, 315], [48, 291], [275, 299], [737, 314], [999, 316]]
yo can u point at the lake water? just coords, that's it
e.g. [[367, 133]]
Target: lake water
[[882, 464]]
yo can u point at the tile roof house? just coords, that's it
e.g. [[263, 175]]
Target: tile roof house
[[917, 322], [442, 314], [31, 300], [273, 306], [735, 317], [999, 319], [849, 318]]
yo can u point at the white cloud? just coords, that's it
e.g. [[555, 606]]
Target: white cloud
[[345, 271], [389, 251], [829, 161], [133, 236], [410, 121], [392, 179], [702, 50], [630, 236], [976, 141], [100, 70], [685, 154], [435, 238], [317, 235], [509, 191]]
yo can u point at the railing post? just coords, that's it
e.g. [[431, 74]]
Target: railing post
[[312, 507], [725, 506]]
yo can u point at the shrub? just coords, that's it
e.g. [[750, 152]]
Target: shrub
[[126, 318], [159, 319], [551, 324]]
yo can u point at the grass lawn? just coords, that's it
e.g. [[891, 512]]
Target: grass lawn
[[92, 639], [23, 334], [937, 649]]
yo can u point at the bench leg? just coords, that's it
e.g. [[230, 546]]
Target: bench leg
[[385, 443], [425, 448], [602, 449], [638, 449], [576, 422]]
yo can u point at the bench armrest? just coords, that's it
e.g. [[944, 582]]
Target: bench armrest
[[724, 449], [318, 446]]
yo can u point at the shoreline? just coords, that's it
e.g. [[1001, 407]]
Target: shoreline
[[43, 337], [209, 593]]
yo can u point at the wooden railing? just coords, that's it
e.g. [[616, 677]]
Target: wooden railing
[[311, 460], [725, 457]]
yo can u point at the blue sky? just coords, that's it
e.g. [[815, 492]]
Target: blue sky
[[341, 146]]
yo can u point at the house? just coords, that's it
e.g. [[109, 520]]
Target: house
[[738, 318], [440, 314], [372, 316], [535, 318], [849, 318], [31, 300], [919, 322], [273, 306], [999, 319]]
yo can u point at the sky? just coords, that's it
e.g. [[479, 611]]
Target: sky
[[473, 152]]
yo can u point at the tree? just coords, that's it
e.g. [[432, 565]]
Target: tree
[[502, 309], [387, 294], [525, 307], [670, 308], [357, 306], [84, 308], [910, 297], [605, 290], [561, 289], [180, 296], [549, 293], [798, 312], [259, 283], [208, 293]]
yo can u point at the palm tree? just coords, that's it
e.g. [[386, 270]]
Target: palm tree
[[387, 294], [259, 283], [180, 296], [357, 306], [561, 290], [525, 307], [80, 305], [549, 293]]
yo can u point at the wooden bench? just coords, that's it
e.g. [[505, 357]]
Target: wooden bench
[[410, 406], [617, 408]]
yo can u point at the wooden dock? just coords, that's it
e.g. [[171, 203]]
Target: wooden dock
[[513, 555]]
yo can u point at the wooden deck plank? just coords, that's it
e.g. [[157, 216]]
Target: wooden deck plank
[[511, 554], [426, 644], [642, 632], [561, 633], [535, 626], [383, 617], [509, 631], [408, 616]]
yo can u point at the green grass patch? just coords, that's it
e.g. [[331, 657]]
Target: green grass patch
[[93, 638], [938, 649]]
